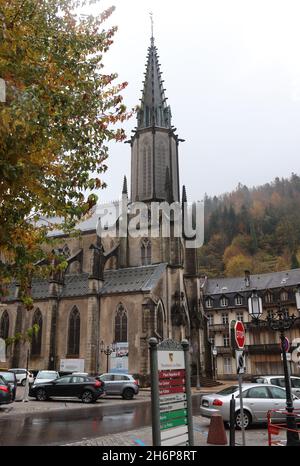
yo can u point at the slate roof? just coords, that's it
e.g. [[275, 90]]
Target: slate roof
[[132, 279], [129, 280], [110, 209], [260, 282]]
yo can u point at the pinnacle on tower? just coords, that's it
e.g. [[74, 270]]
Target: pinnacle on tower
[[125, 190], [184, 196]]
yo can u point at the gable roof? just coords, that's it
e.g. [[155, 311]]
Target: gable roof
[[260, 282]]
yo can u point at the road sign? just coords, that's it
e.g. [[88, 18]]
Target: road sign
[[174, 423], [171, 393], [286, 344], [240, 362], [288, 357], [172, 406], [172, 398], [169, 390], [170, 382], [239, 334], [179, 413]]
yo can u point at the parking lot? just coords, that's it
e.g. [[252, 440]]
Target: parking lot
[[20, 407]]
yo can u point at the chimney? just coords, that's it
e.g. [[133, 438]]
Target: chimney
[[247, 278]]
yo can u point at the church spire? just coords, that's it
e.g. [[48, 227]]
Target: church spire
[[184, 196], [125, 190], [153, 109]]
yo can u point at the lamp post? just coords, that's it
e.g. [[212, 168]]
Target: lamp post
[[215, 353], [107, 351], [280, 321]]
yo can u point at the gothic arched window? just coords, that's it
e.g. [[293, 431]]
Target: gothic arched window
[[160, 321], [36, 343], [146, 252], [121, 325], [74, 332], [4, 325]]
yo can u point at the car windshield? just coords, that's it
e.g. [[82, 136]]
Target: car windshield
[[9, 376], [46, 375], [228, 390]]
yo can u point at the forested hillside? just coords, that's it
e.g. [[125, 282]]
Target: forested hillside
[[256, 229]]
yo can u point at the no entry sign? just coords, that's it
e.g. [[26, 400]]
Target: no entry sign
[[239, 334]]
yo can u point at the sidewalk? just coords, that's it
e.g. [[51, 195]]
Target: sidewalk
[[143, 437]]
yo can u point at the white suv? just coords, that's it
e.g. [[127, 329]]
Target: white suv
[[45, 376], [279, 381], [21, 376]]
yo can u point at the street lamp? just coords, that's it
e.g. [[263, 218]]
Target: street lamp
[[215, 353], [107, 351], [280, 321]]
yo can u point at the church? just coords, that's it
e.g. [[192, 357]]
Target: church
[[119, 290]]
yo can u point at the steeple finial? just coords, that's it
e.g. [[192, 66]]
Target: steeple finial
[[152, 24], [184, 196], [125, 190]]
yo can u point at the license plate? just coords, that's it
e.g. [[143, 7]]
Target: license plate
[[204, 403]]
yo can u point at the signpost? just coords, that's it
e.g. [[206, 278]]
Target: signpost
[[238, 338], [171, 393]]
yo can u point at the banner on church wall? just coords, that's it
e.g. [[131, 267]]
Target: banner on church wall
[[71, 365], [119, 359], [2, 350]]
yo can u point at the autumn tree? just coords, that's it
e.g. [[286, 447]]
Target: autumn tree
[[237, 265], [60, 112]]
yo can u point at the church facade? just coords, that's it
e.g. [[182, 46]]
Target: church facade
[[119, 288]]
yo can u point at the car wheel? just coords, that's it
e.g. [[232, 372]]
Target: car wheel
[[247, 420], [23, 383], [87, 397], [128, 394], [41, 395]]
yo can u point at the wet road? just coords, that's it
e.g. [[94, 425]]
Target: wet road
[[61, 427]]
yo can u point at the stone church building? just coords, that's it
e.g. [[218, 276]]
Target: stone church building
[[119, 289]]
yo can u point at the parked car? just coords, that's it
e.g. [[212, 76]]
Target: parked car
[[88, 389], [45, 376], [11, 379], [279, 381], [21, 375], [258, 399], [120, 384], [6, 395]]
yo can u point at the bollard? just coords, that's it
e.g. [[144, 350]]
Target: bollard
[[232, 422], [216, 433]]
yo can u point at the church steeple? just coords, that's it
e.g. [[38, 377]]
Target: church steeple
[[154, 110], [154, 145]]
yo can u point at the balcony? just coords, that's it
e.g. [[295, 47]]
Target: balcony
[[219, 328], [272, 348], [224, 350]]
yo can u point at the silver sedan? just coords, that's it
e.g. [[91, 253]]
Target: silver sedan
[[258, 399]]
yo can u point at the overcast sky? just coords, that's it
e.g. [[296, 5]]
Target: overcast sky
[[232, 78]]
